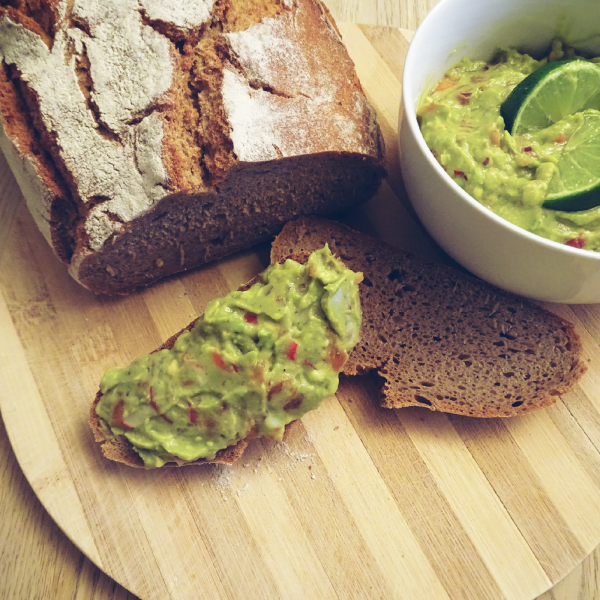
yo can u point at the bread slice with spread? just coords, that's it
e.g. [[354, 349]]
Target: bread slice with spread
[[442, 339], [257, 360]]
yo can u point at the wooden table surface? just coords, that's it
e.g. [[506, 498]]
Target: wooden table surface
[[36, 558]]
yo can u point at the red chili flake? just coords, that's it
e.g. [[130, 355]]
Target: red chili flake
[[576, 242], [527, 149], [117, 415], [486, 161], [460, 174], [218, 360], [275, 390], [192, 415], [234, 367], [309, 364], [464, 98], [156, 408], [294, 403], [251, 318], [444, 84], [291, 353]]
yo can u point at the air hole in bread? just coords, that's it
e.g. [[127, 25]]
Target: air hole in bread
[[394, 275], [517, 403], [509, 374], [422, 400]]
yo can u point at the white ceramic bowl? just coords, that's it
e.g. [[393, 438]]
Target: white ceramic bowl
[[482, 242]]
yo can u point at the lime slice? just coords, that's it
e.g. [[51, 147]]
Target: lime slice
[[575, 185], [550, 94]]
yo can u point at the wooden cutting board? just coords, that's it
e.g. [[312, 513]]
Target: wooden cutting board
[[362, 502]]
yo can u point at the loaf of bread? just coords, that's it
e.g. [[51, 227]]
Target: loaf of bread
[[151, 136], [442, 339]]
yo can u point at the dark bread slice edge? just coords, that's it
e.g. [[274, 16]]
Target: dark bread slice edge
[[119, 449], [505, 355]]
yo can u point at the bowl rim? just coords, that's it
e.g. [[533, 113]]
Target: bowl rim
[[410, 116]]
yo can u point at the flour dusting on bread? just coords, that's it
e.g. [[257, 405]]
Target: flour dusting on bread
[[99, 167], [186, 15], [291, 95]]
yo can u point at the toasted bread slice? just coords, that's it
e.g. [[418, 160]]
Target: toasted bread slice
[[442, 339]]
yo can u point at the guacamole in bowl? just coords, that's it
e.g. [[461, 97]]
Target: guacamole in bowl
[[488, 245], [461, 122]]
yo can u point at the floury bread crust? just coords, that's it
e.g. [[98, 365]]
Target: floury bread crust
[[441, 339], [151, 136]]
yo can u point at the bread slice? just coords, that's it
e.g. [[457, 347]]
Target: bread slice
[[152, 136], [121, 450], [442, 339]]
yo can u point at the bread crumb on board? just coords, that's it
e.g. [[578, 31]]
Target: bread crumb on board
[[279, 457]]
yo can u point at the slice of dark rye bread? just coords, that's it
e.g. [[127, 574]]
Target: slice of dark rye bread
[[121, 450], [442, 339]]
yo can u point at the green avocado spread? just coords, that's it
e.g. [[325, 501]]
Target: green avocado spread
[[461, 123], [255, 361]]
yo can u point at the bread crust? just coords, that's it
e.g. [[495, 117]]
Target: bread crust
[[119, 449], [442, 339]]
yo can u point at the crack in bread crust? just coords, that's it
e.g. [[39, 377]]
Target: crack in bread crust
[[55, 212]]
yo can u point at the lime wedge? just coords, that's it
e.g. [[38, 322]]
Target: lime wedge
[[551, 93], [575, 185]]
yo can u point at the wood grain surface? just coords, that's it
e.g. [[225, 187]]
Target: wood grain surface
[[368, 502]]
